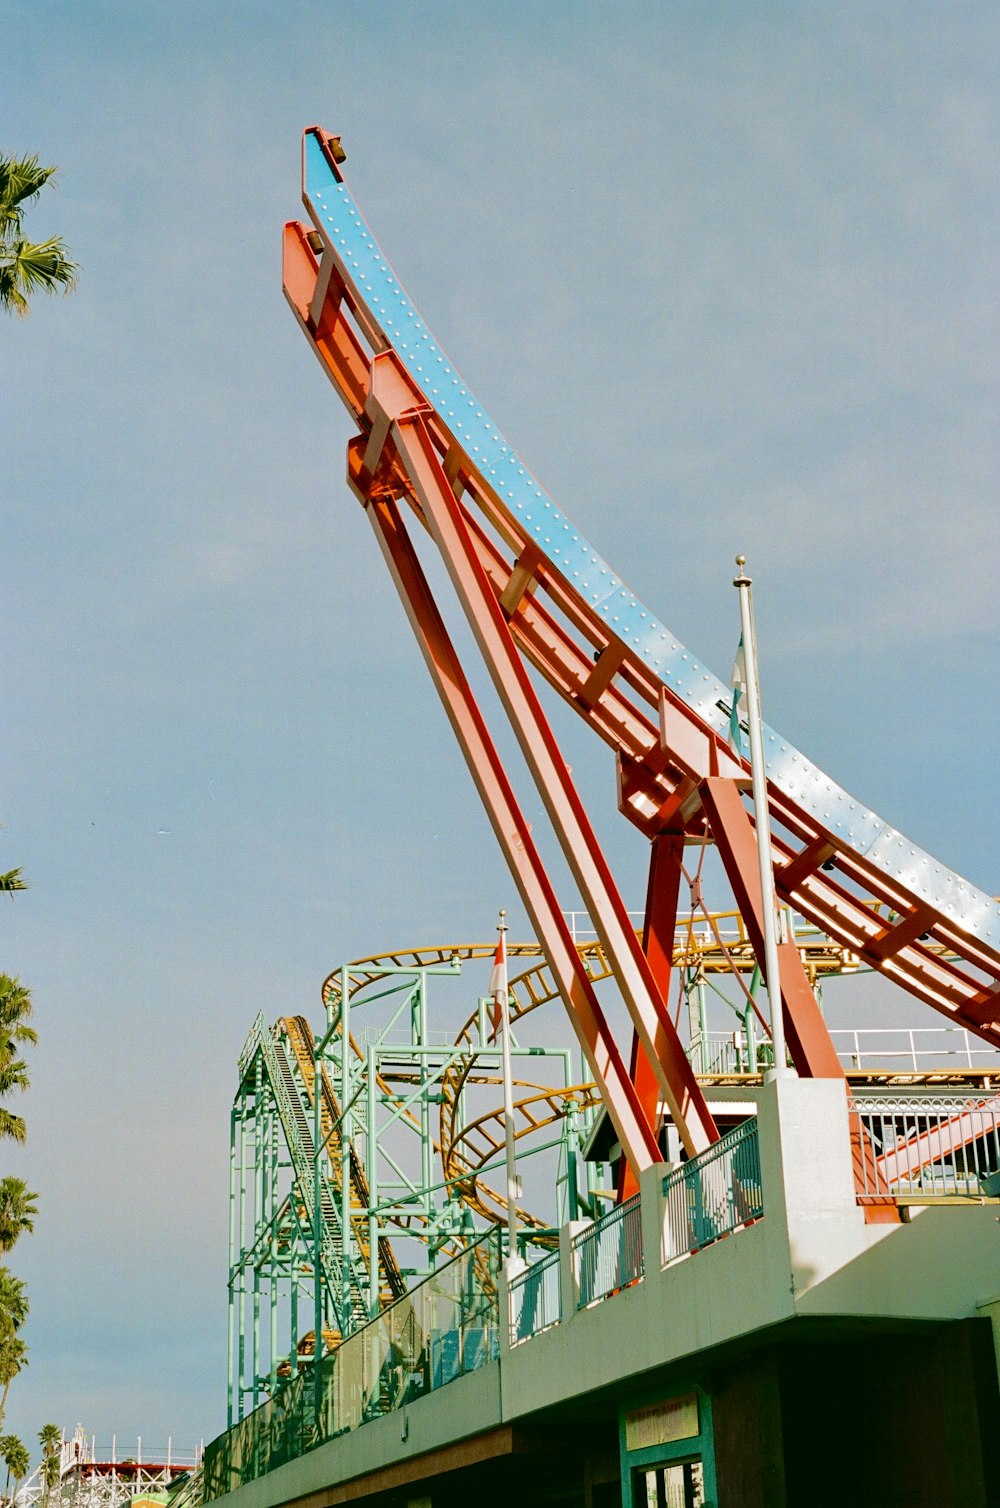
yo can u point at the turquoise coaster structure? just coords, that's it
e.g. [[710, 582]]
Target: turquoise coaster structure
[[374, 1146], [407, 1172]]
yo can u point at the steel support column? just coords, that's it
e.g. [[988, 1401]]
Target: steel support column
[[659, 930], [809, 1041], [513, 834], [418, 457]]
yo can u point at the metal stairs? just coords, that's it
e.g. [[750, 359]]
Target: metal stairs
[[350, 1307]]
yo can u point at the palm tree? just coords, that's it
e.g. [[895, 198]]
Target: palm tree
[[13, 1303], [17, 1460], [17, 1211], [15, 1008], [50, 1439], [13, 1359], [27, 267]]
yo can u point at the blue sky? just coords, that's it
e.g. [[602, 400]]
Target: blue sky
[[724, 275]]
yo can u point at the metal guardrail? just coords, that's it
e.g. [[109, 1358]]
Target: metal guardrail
[[445, 1326], [714, 1193], [915, 1048], [927, 1147], [535, 1298], [608, 1254], [894, 1049]]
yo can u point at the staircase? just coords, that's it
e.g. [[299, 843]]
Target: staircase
[[296, 1123], [302, 1042]]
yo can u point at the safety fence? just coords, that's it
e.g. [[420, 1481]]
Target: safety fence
[[927, 1147], [535, 1298], [444, 1327], [869, 1049], [913, 1049], [609, 1253], [714, 1193]]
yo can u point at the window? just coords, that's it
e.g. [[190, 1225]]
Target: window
[[679, 1485]]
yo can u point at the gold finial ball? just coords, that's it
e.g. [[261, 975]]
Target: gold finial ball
[[741, 561]]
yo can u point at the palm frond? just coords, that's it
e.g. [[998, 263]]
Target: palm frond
[[15, 1001], [12, 1126], [11, 881], [21, 180], [13, 1075], [28, 267]]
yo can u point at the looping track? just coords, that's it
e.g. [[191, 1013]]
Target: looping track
[[718, 945]]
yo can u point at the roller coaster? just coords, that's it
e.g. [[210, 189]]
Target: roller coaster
[[371, 1147], [316, 1191]]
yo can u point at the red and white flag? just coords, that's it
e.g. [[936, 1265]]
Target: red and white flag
[[498, 983]]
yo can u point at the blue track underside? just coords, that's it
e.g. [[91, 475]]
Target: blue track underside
[[852, 824]]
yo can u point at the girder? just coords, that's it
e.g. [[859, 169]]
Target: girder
[[533, 589]]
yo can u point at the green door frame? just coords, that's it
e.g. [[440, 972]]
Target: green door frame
[[668, 1453]]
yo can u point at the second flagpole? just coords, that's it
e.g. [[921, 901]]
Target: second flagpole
[[762, 823], [508, 1091]]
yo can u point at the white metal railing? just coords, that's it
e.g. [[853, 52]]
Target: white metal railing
[[728, 1053], [714, 1193], [941, 1146], [914, 1048], [609, 1252], [82, 1449], [581, 926], [535, 1298], [402, 1036], [903, 1049]]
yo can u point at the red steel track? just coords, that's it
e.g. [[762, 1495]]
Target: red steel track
[[535, 595]]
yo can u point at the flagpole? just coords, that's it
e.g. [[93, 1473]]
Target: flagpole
[[508, 1096], [743, 584]]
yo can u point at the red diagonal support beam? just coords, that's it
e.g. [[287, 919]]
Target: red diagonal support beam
[[513, 834], [659, 930], [418, 457], [808, 1039]]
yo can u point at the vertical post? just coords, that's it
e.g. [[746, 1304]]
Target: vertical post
[[502, 996], [419, 1014], [572, 1136], [372, 1161], [233, 1308], [272, 1216], [345, 1150], [317, 1245], [750, 1033], [241, 1227], [317, 1224], [293, 1309], [258, 1174], [743, 583]]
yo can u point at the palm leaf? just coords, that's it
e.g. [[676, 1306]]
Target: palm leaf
[[21, 180], [32, 267]]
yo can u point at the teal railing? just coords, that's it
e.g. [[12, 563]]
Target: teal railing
[[445, 1326], [609, 1253], [535, 1298], [714, 1193]]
